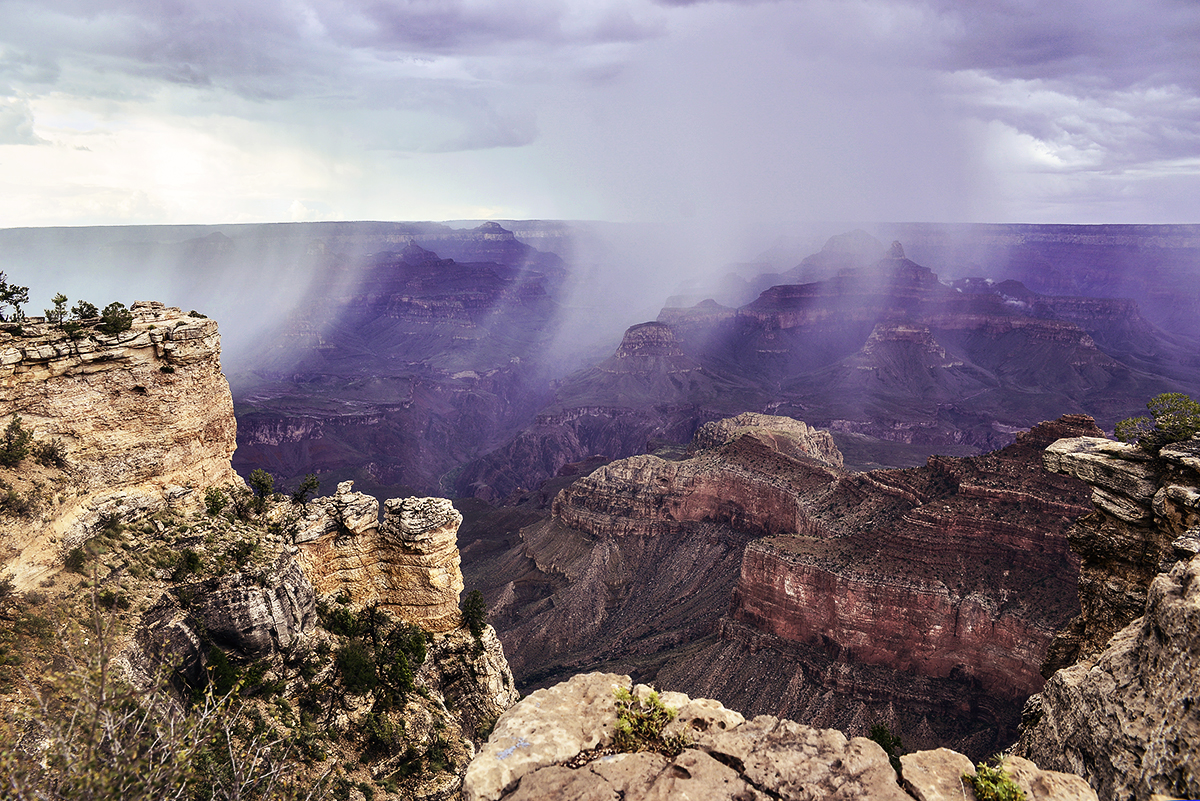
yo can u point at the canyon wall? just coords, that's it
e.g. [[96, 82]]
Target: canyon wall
[[757, 572], [1121, 709], [142, 417]]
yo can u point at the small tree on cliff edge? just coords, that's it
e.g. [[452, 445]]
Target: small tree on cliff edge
[[14, 296], [263, 484], [1176, 417], [474, 612]]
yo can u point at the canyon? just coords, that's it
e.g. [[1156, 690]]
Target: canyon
[[756, 571], [135, 549], [663, 512]]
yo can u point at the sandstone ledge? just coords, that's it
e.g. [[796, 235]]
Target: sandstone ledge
[[407, 563], [730, 758]]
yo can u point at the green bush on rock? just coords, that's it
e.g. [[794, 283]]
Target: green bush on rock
[[1176, 418]]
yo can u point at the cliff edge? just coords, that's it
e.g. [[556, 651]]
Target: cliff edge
[[1126, 715], [141, 417]]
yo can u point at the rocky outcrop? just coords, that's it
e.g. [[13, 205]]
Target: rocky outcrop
[[924, 598], [753, 482], [1142, 505], [407, 562], [556, 743], [1125, 714], [143, 418], [1128, 719], [249, 616], [788, 436]]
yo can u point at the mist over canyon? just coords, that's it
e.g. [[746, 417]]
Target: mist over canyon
[[809, 484]]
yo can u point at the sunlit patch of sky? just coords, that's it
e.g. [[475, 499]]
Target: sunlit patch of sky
[[715, 112]]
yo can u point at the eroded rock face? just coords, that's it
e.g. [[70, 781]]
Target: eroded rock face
[[1128, 718], [407, 563], [727, 757], [1125, 714], [1142, 505], [248, 616], [144, 418], [951, 578], [643, 552]]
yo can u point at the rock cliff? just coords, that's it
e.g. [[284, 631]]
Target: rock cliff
[[756, 572], [1141, 506], [558, 743], [142, 417], [338, 630], [1125, 714], [407, 563]]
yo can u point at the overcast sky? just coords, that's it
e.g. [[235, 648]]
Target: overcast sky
[[205, 111]]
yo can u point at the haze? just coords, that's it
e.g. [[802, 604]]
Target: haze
[[716, 114]]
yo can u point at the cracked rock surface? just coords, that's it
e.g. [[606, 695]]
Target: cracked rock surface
[[555, 744]]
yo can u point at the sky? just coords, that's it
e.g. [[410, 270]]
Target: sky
[[716, 114]]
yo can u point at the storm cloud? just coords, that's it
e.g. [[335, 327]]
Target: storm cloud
[[723, 114]]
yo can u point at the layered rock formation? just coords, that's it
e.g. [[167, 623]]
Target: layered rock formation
[[1141, 506], [141, 416], [642, 554], [925, 598], [406, 563], [1126, 715], [895, 362], [557, 743]]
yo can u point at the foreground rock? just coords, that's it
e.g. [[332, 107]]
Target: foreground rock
[[1126, 716], [728, 757]]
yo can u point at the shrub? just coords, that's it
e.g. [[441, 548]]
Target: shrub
[[307, 487], [75, 559], [991, 783], [263, 485], [98, 738], [111, 599], [85, 311], [50, 453], [115, 318], [1176, 418], [214, 501], [889, 742], [56, 315], [14, 443], [474, 613], [640, 724], [241, 502], [6, 587], [12, 295], [189, 563], [356, 667]]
